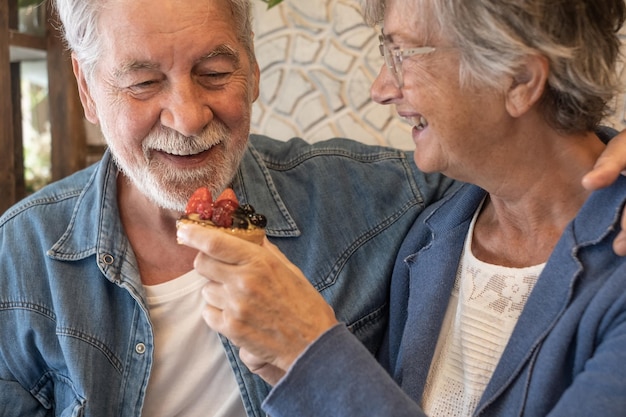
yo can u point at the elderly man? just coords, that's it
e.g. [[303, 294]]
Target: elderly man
[[100, 308]]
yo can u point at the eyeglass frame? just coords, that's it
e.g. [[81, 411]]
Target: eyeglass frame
[[394, 56]]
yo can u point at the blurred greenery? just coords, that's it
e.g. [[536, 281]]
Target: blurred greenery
[[272, 3], [26, 3]]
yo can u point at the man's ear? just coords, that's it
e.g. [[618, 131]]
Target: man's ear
[[528, 85], [256, 74], [257, 79], [83, 92]]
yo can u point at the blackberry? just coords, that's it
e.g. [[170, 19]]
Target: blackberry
[[258, 220], [247, 209], [239, 223]]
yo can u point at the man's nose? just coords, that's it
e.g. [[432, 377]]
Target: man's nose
[[186, 109]]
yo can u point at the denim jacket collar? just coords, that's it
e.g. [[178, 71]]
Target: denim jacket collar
[[83, 236], [280, 222]]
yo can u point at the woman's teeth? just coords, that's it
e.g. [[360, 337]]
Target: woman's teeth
[[422, 123], [419, 123]]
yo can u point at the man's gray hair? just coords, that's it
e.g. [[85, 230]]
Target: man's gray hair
[[80, 28]]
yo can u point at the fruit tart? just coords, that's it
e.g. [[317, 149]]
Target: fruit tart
[[225, 214]]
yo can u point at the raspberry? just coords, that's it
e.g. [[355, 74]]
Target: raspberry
[[227, 194], [200, 202], [204, 210], [223, 212]]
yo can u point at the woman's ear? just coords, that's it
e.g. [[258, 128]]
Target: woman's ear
[[528, 85], [89, 106]]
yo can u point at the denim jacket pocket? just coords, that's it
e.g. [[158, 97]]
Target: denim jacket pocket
[[57, 392]]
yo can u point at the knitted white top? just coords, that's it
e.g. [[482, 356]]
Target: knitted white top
[[486, 302]]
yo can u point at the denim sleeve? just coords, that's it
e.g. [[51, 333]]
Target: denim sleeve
[[15, 401], [336, 375]]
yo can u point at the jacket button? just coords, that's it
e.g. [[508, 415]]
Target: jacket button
[[140, 348], [108, 259]]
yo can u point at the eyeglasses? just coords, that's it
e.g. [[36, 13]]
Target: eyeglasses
[[395, 56]]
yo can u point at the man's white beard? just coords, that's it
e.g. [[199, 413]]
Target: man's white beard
[[170, 187]]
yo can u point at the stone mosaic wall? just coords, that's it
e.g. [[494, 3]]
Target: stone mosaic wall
[[317, 62]]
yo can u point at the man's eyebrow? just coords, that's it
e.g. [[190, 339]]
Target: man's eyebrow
[[135, 66], [222, 50]]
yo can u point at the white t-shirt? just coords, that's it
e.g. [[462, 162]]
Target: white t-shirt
[[190, 375]]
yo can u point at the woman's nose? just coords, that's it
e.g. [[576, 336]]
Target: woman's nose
[[384, 89]]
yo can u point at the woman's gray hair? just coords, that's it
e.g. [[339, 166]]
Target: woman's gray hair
[[80, 28], [578, 38]]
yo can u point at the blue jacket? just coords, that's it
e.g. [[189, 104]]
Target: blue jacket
[[75, 332], [566, 356]]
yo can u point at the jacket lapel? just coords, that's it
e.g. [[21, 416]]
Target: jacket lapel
[[429, 294]]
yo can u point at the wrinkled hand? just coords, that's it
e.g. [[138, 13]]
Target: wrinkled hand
[[606, 170], [258, 299]]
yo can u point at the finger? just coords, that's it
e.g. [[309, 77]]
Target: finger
[[213, 269], [214, 243], [609, 165], [214, 318], [619, 244], [604, 173], [214, 295], [252, 361]]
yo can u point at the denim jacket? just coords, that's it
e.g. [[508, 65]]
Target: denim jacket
[[566, 356], [75, 331]]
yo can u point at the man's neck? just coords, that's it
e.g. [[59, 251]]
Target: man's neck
[[152, 234]]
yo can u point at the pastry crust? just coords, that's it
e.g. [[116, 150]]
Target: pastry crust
[[255, 235]]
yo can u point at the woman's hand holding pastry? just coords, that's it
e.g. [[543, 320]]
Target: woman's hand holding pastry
[[258, 299]]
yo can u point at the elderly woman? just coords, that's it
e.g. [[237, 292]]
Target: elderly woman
[[507, 299]]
